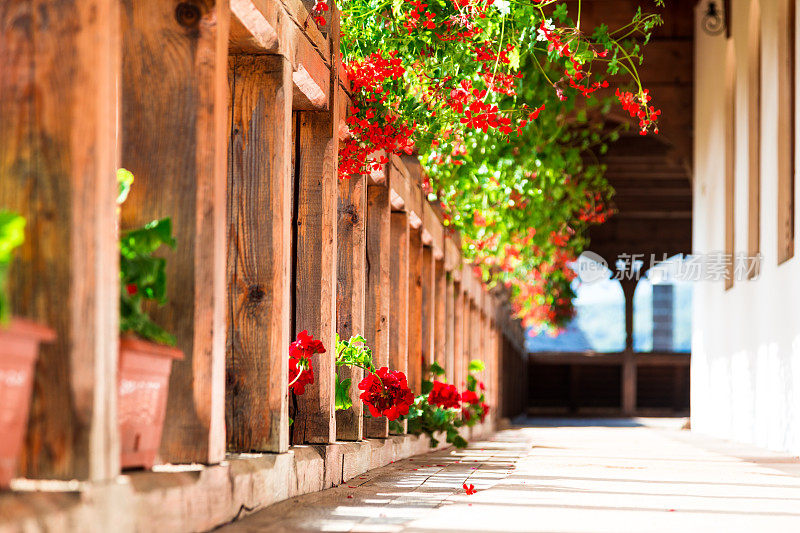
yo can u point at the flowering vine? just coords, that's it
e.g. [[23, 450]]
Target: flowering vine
[[504, 103]]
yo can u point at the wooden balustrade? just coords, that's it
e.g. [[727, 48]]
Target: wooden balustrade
[[230, 116]]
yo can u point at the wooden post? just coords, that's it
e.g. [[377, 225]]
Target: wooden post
[[459, 374], [316, 251], [259, 253], [315, 269], [174, 136], [628, 361], [350, 292], [378, 289], [440, 316], [398, 283], [58, 156], [449, 329], [415, 311], [428, 299]]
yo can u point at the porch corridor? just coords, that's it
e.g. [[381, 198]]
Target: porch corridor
[[625, 475]]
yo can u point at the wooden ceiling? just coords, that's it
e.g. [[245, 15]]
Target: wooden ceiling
[[652, 174]]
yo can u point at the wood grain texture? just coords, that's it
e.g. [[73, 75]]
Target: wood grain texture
[[459, 368], [398, 284], [428, 306], [350, 292], [449, 328], [58, 156], [174, 137], [315, 276], [415, 310], [259, 224], [440, 314], [377, 307]]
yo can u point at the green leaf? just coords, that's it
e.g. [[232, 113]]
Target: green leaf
[[343, 400], [124, 181], [427, 386], [436, 369], [476, 365], [12, 235]]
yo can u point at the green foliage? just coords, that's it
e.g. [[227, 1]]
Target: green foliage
[[436, 369], [353, 353], [433, 420], [143, 276], [496, 186], [12, 235]]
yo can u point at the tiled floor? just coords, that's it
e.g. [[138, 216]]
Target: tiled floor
[[563, 476]]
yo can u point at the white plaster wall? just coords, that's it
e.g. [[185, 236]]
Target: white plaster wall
[[746, 340]]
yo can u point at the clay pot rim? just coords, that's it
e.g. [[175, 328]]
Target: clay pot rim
[[23, 327], [134, 343]]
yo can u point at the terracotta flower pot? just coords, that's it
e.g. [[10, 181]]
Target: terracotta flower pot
[[19, 347], [144, 369]]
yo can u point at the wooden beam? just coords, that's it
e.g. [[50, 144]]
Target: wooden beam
[[259, 254], [174, 136], [415, 349], [432, 224], [378, 289], [58, 156], [398, 281], [253, 26], [350, 292]]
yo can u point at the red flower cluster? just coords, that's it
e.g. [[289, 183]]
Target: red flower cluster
[[320, 7], [301, 373], [471, 397], [370, 132], [638, 108], [469, 489], [595, 210], [386, 393], [444, 395], [418, 15]]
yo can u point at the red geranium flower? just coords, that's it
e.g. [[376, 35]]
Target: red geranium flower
[[444, 395], [386, 393], [469, 396], [469, 489], [299, 376], [301, 373], [485, 408]]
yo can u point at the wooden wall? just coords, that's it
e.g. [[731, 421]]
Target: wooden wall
[[230, 115]]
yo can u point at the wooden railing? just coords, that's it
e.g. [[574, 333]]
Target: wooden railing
[[229, 114]]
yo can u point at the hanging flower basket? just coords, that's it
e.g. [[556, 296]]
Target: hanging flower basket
[[19, 348], [144, 369]]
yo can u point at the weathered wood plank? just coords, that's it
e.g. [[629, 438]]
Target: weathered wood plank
[[428, 305], [459, 369], [449, 329], [174, 137], [58, 155], [315, 274], [415, 349], [439, 314], [379, 290], [254, 26], [316, 254], [350, 292], [259, 259], [398, 283]]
